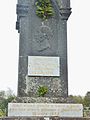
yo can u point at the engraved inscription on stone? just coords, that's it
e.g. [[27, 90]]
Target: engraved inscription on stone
[[45, 109], [43, 66]]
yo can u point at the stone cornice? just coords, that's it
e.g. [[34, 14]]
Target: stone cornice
[[22, 11]]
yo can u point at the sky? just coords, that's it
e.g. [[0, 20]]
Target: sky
[[78, 32]]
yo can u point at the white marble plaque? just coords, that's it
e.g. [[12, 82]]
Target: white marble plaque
[[45, 109], [43, 66]]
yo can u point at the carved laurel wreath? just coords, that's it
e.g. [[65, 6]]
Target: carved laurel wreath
[[44, 9]]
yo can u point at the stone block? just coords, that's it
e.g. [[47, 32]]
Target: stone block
[[42, 118], [45, 109]]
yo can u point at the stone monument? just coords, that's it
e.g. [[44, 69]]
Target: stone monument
[[42, 25], [43, 49]]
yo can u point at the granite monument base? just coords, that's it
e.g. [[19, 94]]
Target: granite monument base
[[44, 107]]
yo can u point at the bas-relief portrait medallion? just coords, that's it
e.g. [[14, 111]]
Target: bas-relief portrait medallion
[[42, 37]]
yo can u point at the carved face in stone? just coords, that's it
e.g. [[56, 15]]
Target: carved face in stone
[[43, 36]]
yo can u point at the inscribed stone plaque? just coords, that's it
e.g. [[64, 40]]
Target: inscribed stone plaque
[[45, 109], [43, 66]]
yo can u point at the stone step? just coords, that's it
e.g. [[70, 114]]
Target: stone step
[[43, 100], [41, 118]]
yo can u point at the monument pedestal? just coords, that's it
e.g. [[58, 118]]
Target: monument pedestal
[[45, 109]]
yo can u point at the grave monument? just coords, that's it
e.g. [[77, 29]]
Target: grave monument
[[42, 26], [43, 47]]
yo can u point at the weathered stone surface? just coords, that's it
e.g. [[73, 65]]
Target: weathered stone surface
[[41, 118], [38, 38], [56, 87], [39, 100], [45, 109], [43, 100]]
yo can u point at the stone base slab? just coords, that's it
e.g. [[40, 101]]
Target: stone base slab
[[45, 109], [41, 118]]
